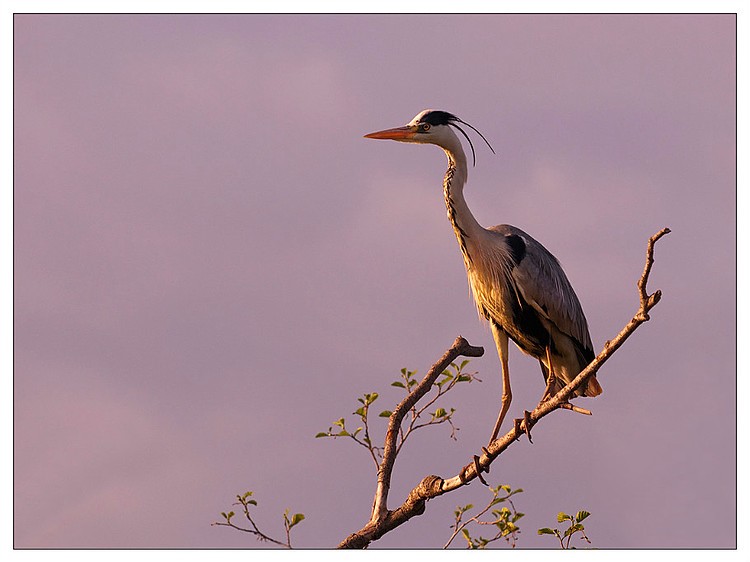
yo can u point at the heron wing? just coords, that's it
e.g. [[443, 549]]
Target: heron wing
[[542, 283]]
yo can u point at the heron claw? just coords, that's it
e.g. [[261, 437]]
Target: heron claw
[[517, 426], [462, 474], [527, 424], [478, 469]]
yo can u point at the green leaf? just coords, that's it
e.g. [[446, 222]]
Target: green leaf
[[463, 378], [464, 363], [572, 529], [342, 433], [581, 515], [321, 434], [359, 412], [296, 518], [440, 412], [562, 516], [252, 502], [545, 531], [403, 371], [385, 414], [398, 384]]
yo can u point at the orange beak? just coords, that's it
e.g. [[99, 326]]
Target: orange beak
[[397, 134]]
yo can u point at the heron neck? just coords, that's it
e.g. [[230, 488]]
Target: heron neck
[[464, 224]]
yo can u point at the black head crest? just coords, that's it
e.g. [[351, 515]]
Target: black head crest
[[437, 117]]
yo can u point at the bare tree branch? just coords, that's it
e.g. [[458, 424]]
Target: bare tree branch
[[383, 520]]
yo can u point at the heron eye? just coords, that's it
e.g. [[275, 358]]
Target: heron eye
[[424, 127]]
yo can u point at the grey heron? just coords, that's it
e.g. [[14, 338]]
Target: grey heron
[[517, 284]]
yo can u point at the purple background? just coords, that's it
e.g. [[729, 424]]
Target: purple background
[[212, 264]]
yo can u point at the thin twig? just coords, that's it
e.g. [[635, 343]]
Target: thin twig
[[416, 414], [255, 530], [368, 442], [460, 526]]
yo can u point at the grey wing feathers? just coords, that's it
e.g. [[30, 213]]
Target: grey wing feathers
[[543, 284]]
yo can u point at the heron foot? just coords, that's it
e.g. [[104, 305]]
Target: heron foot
[[517, 426], [527, 424], [523, 425], [465, 479], [548, 391], [479, 471], [551, 380]]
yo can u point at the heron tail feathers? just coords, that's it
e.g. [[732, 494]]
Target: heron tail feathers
[[567, 371], [593, 388]]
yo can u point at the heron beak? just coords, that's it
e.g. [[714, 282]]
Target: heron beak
[[398, 134]]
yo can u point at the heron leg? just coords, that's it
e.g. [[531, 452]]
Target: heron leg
[[501, 341], [548, 392]]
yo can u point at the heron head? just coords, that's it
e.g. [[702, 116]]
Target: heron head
[[431, 126]]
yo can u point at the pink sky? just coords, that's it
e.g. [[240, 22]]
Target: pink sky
[[211, 264]]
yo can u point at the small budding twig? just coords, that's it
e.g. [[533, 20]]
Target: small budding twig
[[384, 520], [505, 520], [246, 501]]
